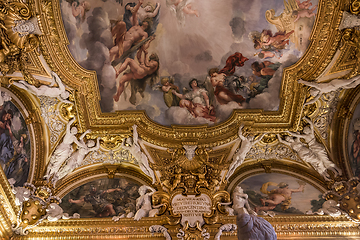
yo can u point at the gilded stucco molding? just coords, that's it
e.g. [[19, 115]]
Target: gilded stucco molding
[[86, 86], [347, 195], [50, 114], [8, 208], [326, 110], [346, 61], [124, 228], [307, 226], [20, 29], [117, 156], [355, 7], [352, 37], [285, 227]]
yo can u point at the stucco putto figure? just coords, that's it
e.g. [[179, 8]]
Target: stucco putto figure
[[131, 144], [240, 154], [250, 226]]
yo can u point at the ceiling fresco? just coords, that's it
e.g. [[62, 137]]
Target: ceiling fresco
[[237, 62], [179, 119]]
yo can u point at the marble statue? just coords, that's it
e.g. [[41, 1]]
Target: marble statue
[[240, 154], [319, 88], [44, 90], [240, 202], [250, 226], [76, 158], [131, 144], [63, 151], [143, 203], [317, 148]]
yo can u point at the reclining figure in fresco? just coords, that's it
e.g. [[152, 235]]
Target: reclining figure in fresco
[[250, 226], [64, 150], [135, 150], [196, 101], [240, 154], [317, 89], [280, 195], [44, 90]]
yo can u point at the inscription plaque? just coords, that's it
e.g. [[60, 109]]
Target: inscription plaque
[[191, 208]]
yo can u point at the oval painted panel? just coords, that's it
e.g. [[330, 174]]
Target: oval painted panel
[[188, 61]]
